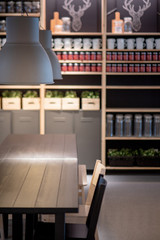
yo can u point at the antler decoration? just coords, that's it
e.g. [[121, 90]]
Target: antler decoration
[[136, 15], [76, 15]]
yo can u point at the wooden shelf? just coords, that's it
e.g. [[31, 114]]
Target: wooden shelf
[[132, 168], [133, 87], [133, 34], [72, 87], [79, 61], [19, 14], [77, 34], [132, 50], [132, 138], [81, 73], [76, 50], [133, 62], [133, 110], [2, 33], [20, 86], [132, 73]]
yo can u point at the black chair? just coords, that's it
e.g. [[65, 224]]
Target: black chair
[[77, 231]]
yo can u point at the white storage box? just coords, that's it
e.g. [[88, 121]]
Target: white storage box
[[31, 103], [11, 103], [70, 103], [53, 103], [0, 102], [90, 104]]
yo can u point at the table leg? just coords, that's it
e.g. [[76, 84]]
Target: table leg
[[17, 227], [60, 226]]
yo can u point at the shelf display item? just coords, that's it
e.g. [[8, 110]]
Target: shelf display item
[[150, 43], [96, 43], [18, 7], [127, 25], [77, 43], [30, 101], [119, 125], [157, 43], [117, 24], [147, 125], [128, 125], [140, 43], [109, 125], [2, 7], [2, 26], [156, 125], [55, 21], [130, 43], [66, 24]]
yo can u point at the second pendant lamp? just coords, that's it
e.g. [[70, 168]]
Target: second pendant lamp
[[45, 38], [23, 60]]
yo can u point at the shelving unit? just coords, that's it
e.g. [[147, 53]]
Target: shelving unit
[[102, 83]]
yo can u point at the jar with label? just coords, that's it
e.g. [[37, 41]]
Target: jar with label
[[93, 67], [138, 125], [109, 125], [87, 56], [64, 67], [158, 67], [137, 68], [131, 67], [149, 56], [70, 56], [93, 56], [119, 68], [81, 67], [114, 68], [10, 7], [128, 25], [147, 125], [137, 56], [128, 125], [18, 7], [158, 56], [75, 56], [156, 125], [120, 56], [75, 67], [131, 56], [59, 56], [148, 68], [142, 68], [64, 56], [119, 125], [125, 56], [143, 56], [81, 56], [108, 68], [99, 56], [2, 7], [87, 67], [99, 67], [114, 56], [108, 56], [154, 67], [35, 7], [28, 6], [125, 68], [70, 67], [66, 24], [2, 26], [155, 56]]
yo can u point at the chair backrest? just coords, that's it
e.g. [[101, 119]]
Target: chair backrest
[[99, 168], [95, 207]]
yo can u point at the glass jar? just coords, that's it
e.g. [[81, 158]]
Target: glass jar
[[114, 56], [109, 125], [128, 125], [128, 24], [87, 67], [93, 67], [114, 67], [125, 56], [35, 7], [2, 26], [64, 67], [125, 67], [156, 125], [131, 56], [75, 67], [137, 56], [99, 56], [138, 125], [66, 24], [93, 56], [2, 7], [137, 68], [64, 55], [120, 56], [10, 7], [75, 56], [28, 7], [149, 56], [19, 7], [87, 56], [108, 56], [81, 56], [119, 68], [143, 56], [119, 125], [99, 67], [70, 56], [131, 68], [70, 67], [155, 56], [154, 67], [147, 125], [142, 68], [108, 68], [59, 56]]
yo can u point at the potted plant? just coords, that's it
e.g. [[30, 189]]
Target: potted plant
[[148, 157], [122, 157]]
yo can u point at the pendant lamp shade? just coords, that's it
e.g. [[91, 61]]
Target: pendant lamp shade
[[45, 38], [23, 60]]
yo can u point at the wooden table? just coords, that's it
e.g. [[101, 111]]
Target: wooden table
[[38, 174]]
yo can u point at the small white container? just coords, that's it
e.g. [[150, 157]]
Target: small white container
[[11, 103], [52, 103], [70, 103], [31, 103]]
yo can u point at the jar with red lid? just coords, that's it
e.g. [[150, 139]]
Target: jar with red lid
[[70, 55], [75, 67], [108, 68], [131, 68], [76, 56], [59, 56], [108, 56], [155, 56], [99, 56], [119, 68], [81, 56], [149, 56], [114, 56], [81, 67], [64, 55], [87, 56], [125, 68], [93, 56], [143, 56], [137, 56], [119, 56], [93, 67], [142, 68], [70, 67], [158, 56], [125, 56], [154, 67], [114, 68], [131, 56], [64, 67], [99, 67], [137, 68], [87, 67], [158, 67], [148, 68]]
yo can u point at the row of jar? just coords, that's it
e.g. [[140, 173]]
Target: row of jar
[[76, 43], [82, 67], [94, 56], [133, 56], [128, 125], [2, 42], [17, 6], [137, 68], [133, 43]]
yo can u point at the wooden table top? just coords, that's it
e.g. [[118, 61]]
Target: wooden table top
[[38, 174]]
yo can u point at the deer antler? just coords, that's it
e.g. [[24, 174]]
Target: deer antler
[[145, 7], [67, 5], [128, 6]]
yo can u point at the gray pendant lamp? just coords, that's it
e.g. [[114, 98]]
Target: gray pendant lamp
[[23, 60], [45, 37]]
